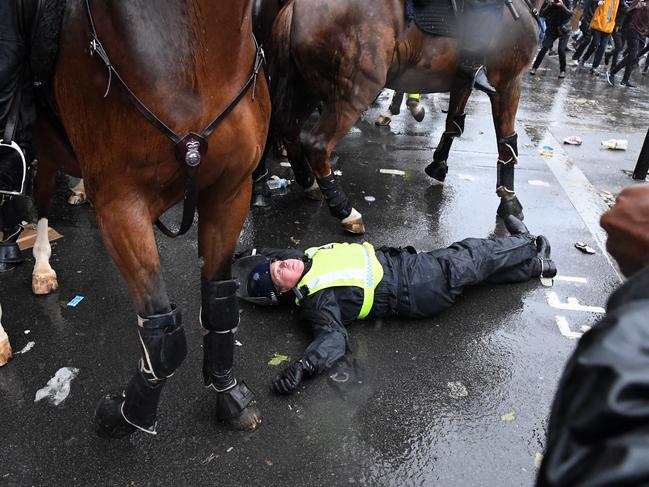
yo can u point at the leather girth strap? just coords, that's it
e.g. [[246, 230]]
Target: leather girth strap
[[188, 149]]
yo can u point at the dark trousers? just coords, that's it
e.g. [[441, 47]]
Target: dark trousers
[[618, 42], [433, 280], [548, 41], [598, 46], [582, 44], [633, 40]]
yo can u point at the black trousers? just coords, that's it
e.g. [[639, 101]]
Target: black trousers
[[548, 41], [433, 280], [618, 43], [633, 40]]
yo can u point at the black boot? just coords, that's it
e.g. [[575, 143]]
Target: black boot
[[10, 256], [515, 226], [476, 72], [548, 268]]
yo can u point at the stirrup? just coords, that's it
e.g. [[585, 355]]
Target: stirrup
[[15, 159]]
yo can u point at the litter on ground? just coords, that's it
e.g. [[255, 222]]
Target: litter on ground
[[74, 301], [277, 359], [394, 172], [572, 140], [616, 144], [585, 248], [58, 387]]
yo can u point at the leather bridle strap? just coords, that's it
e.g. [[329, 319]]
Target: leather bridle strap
[[188, 149]]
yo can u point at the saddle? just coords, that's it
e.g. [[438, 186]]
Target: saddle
[[434, 17]]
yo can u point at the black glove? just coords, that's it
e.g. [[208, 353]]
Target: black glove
[[288, 380]]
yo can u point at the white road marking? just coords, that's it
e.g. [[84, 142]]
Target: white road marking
[[581, 280], [565, 330], [572, 305]]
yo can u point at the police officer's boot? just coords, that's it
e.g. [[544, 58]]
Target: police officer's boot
[[476, 71]]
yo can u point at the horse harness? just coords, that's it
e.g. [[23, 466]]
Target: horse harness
[[188, 149]]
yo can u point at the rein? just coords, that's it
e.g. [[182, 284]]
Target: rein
[[188, 149]]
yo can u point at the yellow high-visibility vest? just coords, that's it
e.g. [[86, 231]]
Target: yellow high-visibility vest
[[343, 264]]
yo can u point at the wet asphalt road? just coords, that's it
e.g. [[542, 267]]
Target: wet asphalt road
[[461, 399]]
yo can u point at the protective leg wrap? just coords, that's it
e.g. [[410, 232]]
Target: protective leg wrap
[[339, 204], [301, 169], [395, 104], [141, 402], [164, 348], [507, 159], [163, 343], [220, 318]]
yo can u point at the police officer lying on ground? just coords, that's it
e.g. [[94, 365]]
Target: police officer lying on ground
[[337, 283], [599, 427]]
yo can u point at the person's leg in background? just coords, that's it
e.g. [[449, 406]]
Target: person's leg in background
[[633, 41], [599, 53], [563, 45]]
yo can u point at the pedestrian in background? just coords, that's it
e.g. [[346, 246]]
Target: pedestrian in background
[[601, 25], [557, 14], [635, 29]]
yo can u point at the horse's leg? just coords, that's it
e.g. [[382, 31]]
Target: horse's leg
[[415, 108], [220, 221], [78, 196], [504, 105], [5, 347], [260, 190], [44, 279], [295, 153], [385, 117], [335, 121], [125, 225], [454, 128]]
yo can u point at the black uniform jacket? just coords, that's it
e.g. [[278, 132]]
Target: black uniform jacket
[[599, 427]]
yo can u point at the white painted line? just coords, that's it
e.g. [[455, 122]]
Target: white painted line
[[395, 172], [565, 330], [580, 191], [572, 304], [581, 280]]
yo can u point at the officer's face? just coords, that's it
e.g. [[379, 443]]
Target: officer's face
[[286, 273]]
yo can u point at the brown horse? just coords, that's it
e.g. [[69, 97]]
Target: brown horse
[[343, 53], [187, 61]]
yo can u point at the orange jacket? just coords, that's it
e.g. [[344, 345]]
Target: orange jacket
[[604, 16]]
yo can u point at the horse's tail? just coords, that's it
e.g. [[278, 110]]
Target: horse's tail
[[282, 71]]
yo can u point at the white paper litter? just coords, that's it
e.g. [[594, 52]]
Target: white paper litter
[[58, 387], [27, 347], [395, 172], [370, 198], [538, 182]]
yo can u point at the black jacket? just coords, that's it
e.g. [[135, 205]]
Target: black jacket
[[599, 426], [557, 16]]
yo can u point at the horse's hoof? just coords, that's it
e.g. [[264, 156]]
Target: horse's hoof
[[44, 283], [510, 206], [437, 170], [383, 120], [109, 422], [77, 199], [418, 112], [313, 192], [354, 223], [5, 351], [236, 407], [248, 420]]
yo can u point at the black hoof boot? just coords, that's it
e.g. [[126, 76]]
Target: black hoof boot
[[236, 407], [109, 422], [260, 193], [437, 170], [543, 250], [515, 226], [10, 256], [510, 207]]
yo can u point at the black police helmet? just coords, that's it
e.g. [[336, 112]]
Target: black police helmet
[[256, 285]]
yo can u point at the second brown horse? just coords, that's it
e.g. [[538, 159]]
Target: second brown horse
[[343, 53]]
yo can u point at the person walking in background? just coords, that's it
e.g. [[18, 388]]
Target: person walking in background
[[557, 14], [635, 29], [584, 26], [601, 25], [611, 58]]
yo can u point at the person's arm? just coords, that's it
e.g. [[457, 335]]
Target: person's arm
[[598, 432], [322, 313], [627, 225]]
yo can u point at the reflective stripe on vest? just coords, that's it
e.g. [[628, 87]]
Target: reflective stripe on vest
[[344, 264]]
